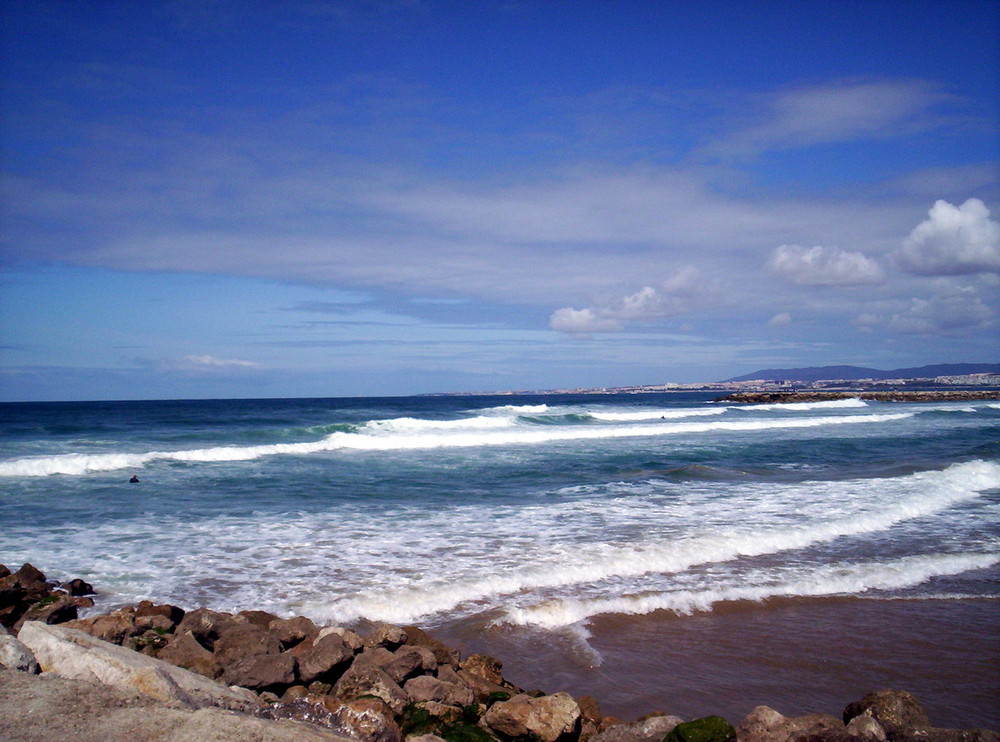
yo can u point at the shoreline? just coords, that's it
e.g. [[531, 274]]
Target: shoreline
[[410, 683], [872, 396]]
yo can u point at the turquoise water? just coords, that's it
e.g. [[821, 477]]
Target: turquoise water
[[552, 522]]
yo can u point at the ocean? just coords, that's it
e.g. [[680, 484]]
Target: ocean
[[656, 551]]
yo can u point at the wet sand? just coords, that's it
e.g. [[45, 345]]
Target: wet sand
[[797, 656]]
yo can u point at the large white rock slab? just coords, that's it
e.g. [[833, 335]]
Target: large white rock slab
[[74, 654]]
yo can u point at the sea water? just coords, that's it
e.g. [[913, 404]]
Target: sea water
[[658, 551]]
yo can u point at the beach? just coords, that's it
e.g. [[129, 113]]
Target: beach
[[659, 552]]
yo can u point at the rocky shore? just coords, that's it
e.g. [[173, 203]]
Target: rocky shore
[[886, 396], [158, 672]]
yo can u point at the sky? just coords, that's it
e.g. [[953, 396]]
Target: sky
[[230, 198]]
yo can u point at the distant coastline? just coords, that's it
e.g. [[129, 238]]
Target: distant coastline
[[944, 395]]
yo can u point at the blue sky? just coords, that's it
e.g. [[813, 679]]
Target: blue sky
[[258, 199]]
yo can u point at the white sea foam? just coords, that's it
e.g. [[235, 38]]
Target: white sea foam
[[837, 579], [418, 425], [829, 404], [913, 496], [421, 435], [519, 409]]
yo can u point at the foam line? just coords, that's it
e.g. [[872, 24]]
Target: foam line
[[839, 579]]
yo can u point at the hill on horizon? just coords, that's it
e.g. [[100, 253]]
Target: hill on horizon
[[853, 373]]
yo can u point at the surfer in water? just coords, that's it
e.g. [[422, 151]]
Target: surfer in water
[[134, 479]]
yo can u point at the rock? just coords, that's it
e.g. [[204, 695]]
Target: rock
[[4, 571], [366, 719], [484, 691], [867, 728], [351, 638], [74, 654], [206, 626], [364, 679], [294, 693], [706, 729], [172, 613], [184, 651], [325, 660], [53, 609], [546, 718], [425, 738], [47, 707], [155, 622], [262, 619], [409, 661], [895, 710], [483, 667], [650, 729], [238, 641], [262, 672], [19, 591], [114, 627], [764, 724], [293, 631], [78, 587], [443, 654], [15, 656], [386, 635], [426, 688]]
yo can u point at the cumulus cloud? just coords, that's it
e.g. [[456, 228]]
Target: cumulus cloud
[[672, 297], [953, 308], [954, 240], [824, 266]]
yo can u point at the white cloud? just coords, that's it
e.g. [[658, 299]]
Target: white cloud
[[215, 363], [780, 320], [582, 321], [952, 308], [835, 112], [674, 296], [954, 240], [824, 266]]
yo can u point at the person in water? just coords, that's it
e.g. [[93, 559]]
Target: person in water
[[134, 479]]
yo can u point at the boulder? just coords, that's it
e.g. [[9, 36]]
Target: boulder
[[172, 613], [262, 619], [351, 638], [365, 719], [49, 707], [409, 661], [866, 728], [484, 668], [206, 626], [115, 627], [443, 654], [184, 651], [386, 635], [483, 690], [74, 654], [427, 688], [895, 710], [238, 641], [263, 672], [325, 660], [649, 729], [546, 718], [291, 632], [706, 729], [15, 656], [764, 724], [78, 587], [53, 609], [364, 679]]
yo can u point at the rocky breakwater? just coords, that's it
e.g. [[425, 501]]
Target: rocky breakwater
[[945, 395], [157, 672]]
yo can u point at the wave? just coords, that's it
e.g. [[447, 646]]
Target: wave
[[392, 435], [519, 409], [829, 580], [912, 496], [830, 404]]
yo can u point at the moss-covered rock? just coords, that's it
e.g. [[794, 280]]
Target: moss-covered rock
[[707, 729]]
